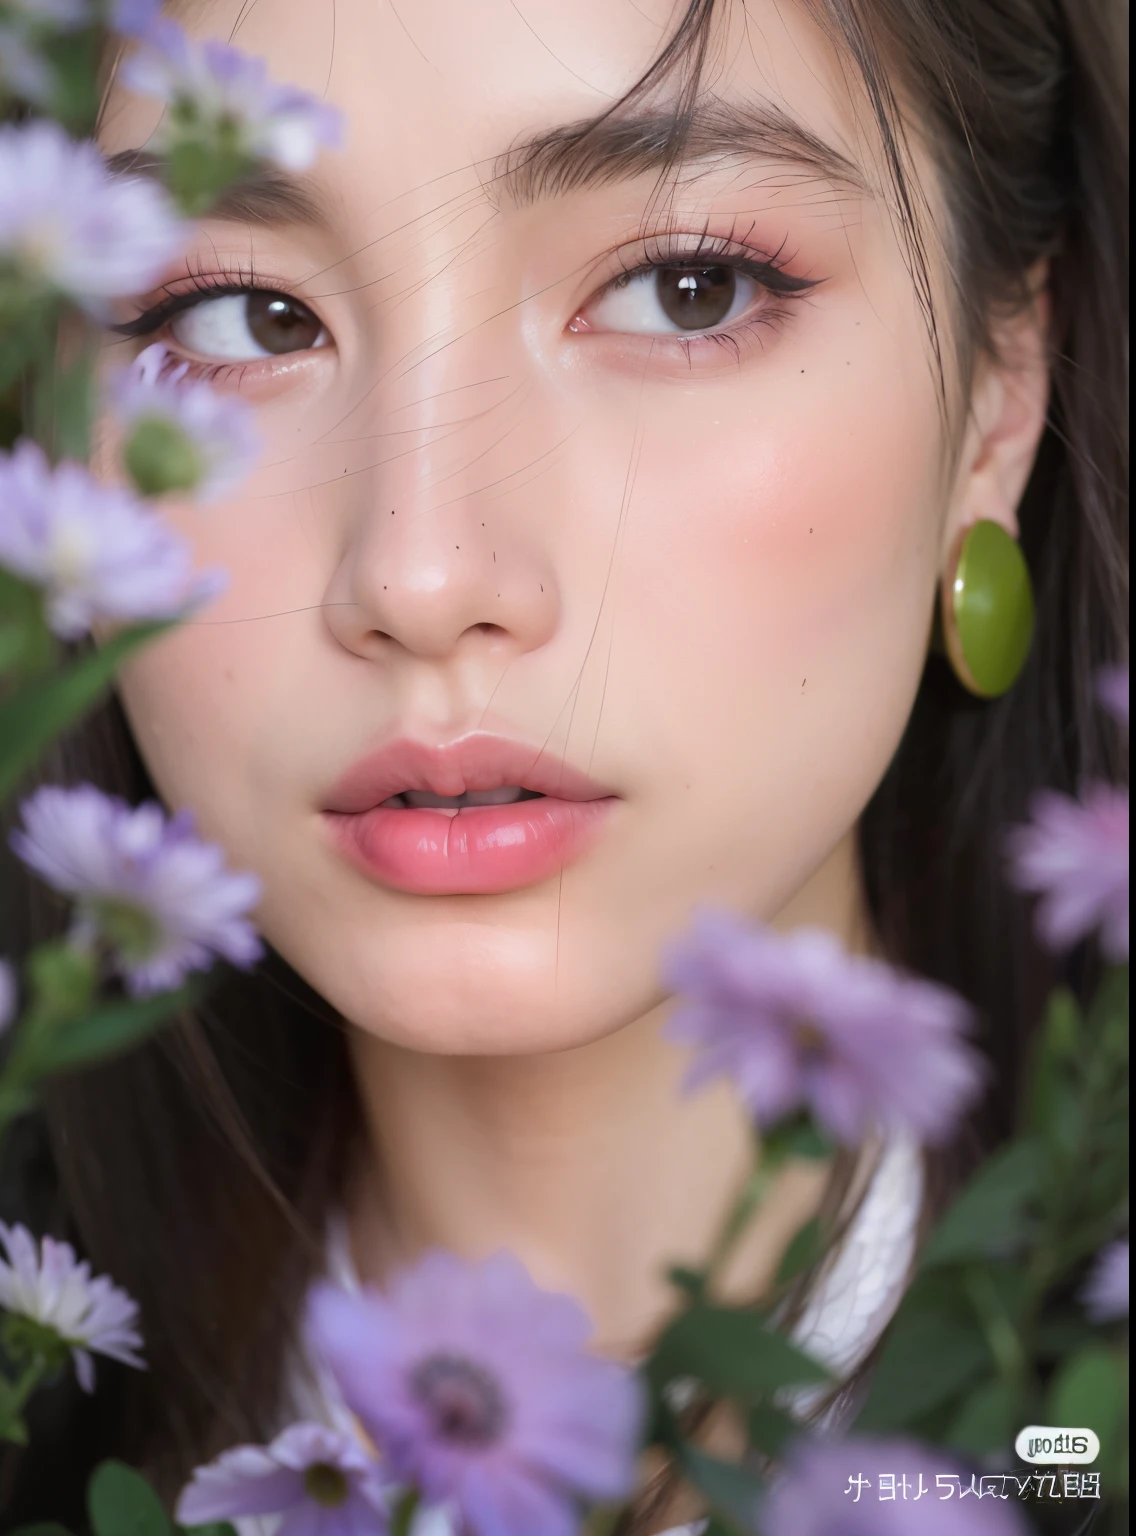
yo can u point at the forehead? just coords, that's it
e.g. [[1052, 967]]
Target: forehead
[[440, 94]]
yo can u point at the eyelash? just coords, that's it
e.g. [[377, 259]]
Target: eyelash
[[768, 272], [214, 285]]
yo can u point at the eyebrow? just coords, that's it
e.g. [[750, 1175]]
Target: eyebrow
[[265, 197], [593, 152], [600, 151]]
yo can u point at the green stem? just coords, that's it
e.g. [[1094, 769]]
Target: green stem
[[404, 1511], [13, 1396], [740, 1214], [1001, 1334]]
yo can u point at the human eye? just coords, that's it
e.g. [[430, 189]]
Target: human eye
[[231, 324], [708, 292]]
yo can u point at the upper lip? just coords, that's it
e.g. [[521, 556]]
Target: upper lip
[[476, 761]]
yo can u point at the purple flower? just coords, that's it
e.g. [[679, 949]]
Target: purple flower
[[795, 1021], [97, 552], [1074, 854], [213, 436], [478, 1390], [159, 897], [872, 1488], [68, 224], [134, 18], [1113, 691], [207, 84], [322, 1483], [1106, 1294], [54, 1290], [7, 996]]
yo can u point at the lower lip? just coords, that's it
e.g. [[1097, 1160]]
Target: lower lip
[[481, 851]]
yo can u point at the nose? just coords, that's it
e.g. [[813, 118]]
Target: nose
[[441, 555]]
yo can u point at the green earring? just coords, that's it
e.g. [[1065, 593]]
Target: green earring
[[987, 610]]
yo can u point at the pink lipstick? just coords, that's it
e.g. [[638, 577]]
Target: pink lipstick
[[478, 816]]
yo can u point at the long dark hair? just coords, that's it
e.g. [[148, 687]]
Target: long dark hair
[[198, 1169]]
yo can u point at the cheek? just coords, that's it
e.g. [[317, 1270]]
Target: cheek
[[778, 586], [217, 706]]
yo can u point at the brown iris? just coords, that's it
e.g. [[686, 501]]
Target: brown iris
[[281, 324], [697, 298]]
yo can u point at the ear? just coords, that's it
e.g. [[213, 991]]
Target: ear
[[1009, 397]]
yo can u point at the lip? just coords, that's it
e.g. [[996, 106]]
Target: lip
[[477, 850]]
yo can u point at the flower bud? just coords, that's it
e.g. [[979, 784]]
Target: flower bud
[[160, 457]]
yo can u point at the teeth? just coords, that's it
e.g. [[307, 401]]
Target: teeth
[[421, 799]]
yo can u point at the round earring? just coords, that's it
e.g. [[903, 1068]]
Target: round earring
[[986, 608]]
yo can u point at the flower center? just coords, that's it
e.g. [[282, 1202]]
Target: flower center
[[810, 1040], [70, 557], [129, 929], [326, 1485], [464, 1402]]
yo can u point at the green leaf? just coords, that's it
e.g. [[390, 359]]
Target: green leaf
[[986, 1421], [770, 1430], [733, 1491], [927, 1358], [692, 1282], [121, 1502], [796, 1137], [1050, 1085], [32, 718], [805, 1249], [733, 1352], [27, 645], [601, 1521], [214, 1528], [62, 403], [12, 1426], [1089, 1392], [991, 1216], [117, 1027], [61, 979]]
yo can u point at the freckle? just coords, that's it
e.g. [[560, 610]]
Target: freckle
[[384, 589], [810, 530], [457, 546], [494, 557], [542, 586], [804, 680]]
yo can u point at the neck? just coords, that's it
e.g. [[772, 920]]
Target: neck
[[590, 1164]]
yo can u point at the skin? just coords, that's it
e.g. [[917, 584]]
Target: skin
[[703, 572]]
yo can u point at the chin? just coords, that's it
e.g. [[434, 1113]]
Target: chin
[[464, 989]]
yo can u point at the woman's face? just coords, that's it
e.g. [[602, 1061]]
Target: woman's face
[[642, 470]]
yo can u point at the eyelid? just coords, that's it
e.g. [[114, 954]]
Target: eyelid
[[203, 289], [666, 250]]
